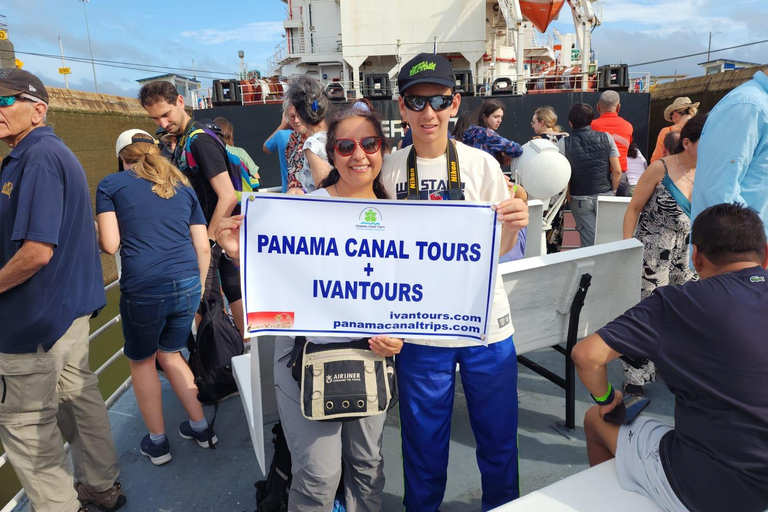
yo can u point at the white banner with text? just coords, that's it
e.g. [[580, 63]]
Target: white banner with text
[[345, 267]]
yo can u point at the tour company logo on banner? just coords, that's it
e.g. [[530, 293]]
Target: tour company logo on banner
[[370, 219], [353, 268]]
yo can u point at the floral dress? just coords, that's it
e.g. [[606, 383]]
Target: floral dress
[[663, 228], [294, 159]]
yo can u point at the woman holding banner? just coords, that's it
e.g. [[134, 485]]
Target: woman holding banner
[[355, 148]]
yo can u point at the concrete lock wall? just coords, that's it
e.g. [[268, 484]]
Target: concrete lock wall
[[89, 124], [707, 89]]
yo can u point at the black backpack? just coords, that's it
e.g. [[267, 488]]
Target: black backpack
[[272, 493], [211, 353]]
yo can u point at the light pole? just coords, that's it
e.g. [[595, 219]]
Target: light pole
[[709, 46], [90, 49]]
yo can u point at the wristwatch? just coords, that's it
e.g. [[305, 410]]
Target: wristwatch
[[212, 242]]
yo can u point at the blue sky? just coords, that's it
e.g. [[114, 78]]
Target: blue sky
[[173, 34]]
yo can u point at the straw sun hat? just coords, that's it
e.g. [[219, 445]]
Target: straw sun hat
[[681, 103]]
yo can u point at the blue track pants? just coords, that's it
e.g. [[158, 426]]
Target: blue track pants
[[427, 378]]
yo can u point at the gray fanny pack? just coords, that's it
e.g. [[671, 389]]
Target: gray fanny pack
[[342, 381]]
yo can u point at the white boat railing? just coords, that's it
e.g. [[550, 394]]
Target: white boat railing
[[16, 500]]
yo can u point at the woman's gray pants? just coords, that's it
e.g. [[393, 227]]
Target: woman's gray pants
[[319, 447]]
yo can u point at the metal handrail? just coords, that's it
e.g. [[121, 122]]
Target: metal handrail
[[16, 500]]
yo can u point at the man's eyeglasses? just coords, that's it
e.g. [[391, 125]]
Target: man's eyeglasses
[[418, 103], [345, 147], [7, 101]]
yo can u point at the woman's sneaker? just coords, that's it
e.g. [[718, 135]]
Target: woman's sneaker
[[159, 454], [187, 432]]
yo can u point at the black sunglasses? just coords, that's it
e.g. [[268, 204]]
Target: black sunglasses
[[345, 147], [418, 103]]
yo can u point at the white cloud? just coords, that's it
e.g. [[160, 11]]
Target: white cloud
[[257, 32]]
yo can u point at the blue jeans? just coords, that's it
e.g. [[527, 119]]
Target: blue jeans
[[427, 378], [159, 317]]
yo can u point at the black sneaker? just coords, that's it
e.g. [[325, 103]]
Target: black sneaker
[[187, 432], [633, 389], [159, 454]]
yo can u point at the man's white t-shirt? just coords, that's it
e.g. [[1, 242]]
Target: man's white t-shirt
[[481, 180]]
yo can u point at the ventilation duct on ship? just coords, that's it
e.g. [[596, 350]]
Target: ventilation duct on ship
[[464, 84], [335, 92], [502, 86], [376, 86], [226, 92], [615, 77]]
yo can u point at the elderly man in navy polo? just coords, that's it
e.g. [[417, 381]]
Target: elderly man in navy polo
[[50, 286]]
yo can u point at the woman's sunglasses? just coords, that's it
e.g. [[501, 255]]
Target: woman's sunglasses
[[345, 147], [418, 103]]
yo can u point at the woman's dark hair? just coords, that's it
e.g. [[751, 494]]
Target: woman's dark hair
[[632, 150], [465, 120], [486, 109], [227, 130], [307, 96], [581, 115], [691, 131], [373, 118], [728, 233], [670, 141]]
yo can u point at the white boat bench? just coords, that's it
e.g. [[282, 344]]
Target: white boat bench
[[542, 292], [595, 490], [609, 224]]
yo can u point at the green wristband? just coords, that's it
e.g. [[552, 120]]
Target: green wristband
[[606, 398]]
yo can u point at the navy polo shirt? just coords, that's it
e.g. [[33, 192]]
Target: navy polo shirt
[[45, 198], [155, 242], [708, 339]]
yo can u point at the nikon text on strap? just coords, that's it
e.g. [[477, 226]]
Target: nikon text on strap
[[454, 175]]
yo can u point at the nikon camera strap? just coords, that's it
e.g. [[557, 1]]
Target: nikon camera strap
[[454, 175]]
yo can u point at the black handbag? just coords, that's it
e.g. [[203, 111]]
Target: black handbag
[[342, 381]]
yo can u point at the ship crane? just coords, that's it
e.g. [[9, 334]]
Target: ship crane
[[541, 13]]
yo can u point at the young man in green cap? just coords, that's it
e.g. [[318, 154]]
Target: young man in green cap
[[426, 368]]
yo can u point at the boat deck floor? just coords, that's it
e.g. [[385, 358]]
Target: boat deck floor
[[222, 479]]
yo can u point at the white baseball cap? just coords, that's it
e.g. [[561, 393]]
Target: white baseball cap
[[126, 139]]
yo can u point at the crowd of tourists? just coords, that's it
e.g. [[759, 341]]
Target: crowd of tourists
[[172, 213]]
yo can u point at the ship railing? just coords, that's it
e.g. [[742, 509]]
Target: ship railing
[[201, 98], [639, 81], [16, 500], [281, 53]]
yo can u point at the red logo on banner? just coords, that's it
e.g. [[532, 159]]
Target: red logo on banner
[[270, 320]]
